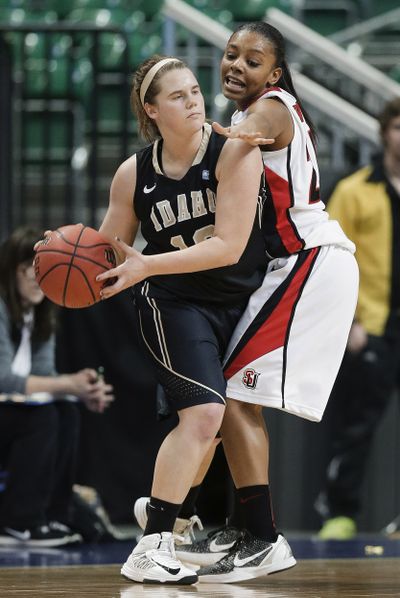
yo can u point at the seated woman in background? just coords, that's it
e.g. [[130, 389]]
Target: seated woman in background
[[38, 442]]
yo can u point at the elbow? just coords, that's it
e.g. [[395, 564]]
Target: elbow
[[234, 256], [227, 253]]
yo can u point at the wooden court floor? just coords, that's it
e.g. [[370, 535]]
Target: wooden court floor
[[320, 578]]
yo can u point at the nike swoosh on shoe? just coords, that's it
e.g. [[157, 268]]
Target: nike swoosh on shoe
[[238, 562], [215, 547], [23, 536], [172, 570]]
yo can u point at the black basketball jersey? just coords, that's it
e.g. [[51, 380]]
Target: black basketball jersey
[[175, 214]]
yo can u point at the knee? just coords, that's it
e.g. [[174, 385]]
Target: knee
[[205, 421], [238, 412], [239, 409]]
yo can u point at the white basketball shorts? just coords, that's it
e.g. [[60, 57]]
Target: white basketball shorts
[[288, 345]]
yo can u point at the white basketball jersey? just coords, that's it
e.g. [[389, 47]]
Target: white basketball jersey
[[294, 217]]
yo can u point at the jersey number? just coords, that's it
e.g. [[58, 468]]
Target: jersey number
[[200, 235]]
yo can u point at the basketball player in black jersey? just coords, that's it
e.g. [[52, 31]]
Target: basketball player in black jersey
[[190, 189]]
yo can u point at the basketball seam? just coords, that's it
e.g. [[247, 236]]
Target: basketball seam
[[67, 242], [81, 257], [70, 268]]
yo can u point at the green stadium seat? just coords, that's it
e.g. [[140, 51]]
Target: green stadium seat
[[326, 22], [394, 73], [111, 45], [58, 129], [12, 4], [47, 78], [377, 8], [151, 8], [142, 46], [251, 10]]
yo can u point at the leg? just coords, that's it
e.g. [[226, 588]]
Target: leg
[[206, 463], [182, 453], [246, 443], [186, 353]]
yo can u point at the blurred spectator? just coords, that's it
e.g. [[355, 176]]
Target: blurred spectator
[[39, 432], [367, 205]]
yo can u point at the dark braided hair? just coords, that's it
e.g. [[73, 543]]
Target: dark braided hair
[[276, 39]]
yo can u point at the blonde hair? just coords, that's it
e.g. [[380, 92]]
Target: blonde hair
[[147, 127]]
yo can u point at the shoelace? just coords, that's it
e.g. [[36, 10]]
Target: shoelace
[[220, 530], [238, 543], [194, 520], [167, 549]]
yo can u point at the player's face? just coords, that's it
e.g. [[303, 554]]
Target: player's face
[[179, 105], [28, 288], [392, 139], [247, 66]]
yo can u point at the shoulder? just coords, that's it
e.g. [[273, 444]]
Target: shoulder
[[127, 169], [125, 176], [271, 105]]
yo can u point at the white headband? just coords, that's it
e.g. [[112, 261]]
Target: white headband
[[151, 74]]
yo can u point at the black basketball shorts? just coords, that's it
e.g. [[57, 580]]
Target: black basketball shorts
[[186, 342]]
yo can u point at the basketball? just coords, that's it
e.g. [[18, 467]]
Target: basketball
[[67, 263]]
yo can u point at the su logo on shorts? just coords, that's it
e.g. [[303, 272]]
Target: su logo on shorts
[[250, 378]]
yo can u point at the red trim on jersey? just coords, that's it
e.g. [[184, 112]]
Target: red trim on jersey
[[282, 201], [297, 108], [273, 332]]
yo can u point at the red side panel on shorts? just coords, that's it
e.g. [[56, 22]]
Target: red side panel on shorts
[[272, 334], [282, 201]]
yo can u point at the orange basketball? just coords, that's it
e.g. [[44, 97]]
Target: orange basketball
[[67, 263]]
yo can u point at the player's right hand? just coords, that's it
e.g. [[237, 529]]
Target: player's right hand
[[132, 270], [252, 138]]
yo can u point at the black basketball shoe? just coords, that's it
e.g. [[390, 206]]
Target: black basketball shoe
[[250, 557], [214, 547]]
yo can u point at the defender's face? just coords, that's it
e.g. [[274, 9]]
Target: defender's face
[[247, 66], [180, 103]]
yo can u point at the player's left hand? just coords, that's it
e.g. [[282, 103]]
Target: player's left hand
[[132, 270], [46, 234], [253, 138]]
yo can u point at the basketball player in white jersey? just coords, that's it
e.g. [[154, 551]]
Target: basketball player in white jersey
[[287, 348]]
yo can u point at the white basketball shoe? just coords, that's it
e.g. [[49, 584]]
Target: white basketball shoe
[[153, 560]]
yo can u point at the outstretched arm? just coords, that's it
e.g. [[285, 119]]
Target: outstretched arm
[[253, 138], [238, 172], [268, 122]]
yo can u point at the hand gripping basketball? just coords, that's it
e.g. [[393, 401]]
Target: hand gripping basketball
[[67, 262]]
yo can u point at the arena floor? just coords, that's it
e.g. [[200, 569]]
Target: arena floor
[[366, 566]]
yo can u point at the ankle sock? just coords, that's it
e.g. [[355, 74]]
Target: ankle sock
[[188, 507], [161, 516], [255, 510]]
